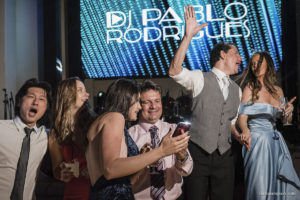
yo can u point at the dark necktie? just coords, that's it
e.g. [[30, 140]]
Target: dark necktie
[[18, 189], [157, 178]]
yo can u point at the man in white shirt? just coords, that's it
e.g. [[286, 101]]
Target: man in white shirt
[[23, 137], [216, 99]]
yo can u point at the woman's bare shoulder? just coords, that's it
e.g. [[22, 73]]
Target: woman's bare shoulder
[[111, 117], [279, 91], [247, 94], [106, 118]]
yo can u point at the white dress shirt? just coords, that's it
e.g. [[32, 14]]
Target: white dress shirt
[[193, 81], [11, 138]]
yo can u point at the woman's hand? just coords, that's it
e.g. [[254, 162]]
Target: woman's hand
[[63, 173], [245, 138], [170, 145], [288, 108], [85, 173]]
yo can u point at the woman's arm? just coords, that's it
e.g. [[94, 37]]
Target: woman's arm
[[246, 134], [245, 137], [59, 170], [135, 177], [111, 137]]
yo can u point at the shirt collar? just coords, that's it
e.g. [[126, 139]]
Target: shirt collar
[[146, 126], [20, 125], [219, 74]]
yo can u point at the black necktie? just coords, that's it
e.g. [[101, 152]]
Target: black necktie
[[18, 189]]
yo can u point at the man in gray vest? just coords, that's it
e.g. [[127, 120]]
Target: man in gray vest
[[216, 99]]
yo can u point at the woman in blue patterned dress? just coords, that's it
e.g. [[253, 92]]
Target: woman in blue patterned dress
[[269, 171], [112, 156]]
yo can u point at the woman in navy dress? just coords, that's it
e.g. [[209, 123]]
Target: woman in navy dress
[[269, 171], [112, 156]]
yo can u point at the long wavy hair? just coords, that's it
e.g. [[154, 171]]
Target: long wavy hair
[[84, 117], [249, 78], [68, 126]]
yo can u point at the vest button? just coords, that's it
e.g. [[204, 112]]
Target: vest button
[[219, 134], [222, 113], [224, 103], [221, 123]]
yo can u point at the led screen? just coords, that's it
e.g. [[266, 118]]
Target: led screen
[[138, 38]]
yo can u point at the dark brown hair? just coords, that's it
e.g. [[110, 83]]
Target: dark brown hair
[[215, 52], [249, 79], [34, 83], [119, 96], [150, 85]]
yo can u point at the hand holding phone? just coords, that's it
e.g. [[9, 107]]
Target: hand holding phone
[[185, 126]]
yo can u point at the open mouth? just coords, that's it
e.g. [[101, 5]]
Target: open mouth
[[32, 111]]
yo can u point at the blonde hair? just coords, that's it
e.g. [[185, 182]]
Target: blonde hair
[[63, 116]]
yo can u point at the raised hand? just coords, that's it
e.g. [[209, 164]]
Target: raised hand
[[191, 25]]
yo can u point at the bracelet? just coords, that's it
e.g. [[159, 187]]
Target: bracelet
[[184, 159]]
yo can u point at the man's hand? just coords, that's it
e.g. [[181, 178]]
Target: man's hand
[[243, 138], [146, 148], [191, 29], [191, 25], [236, 134], [183, 153]]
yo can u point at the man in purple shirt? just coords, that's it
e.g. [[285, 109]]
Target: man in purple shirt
[[173, 166]]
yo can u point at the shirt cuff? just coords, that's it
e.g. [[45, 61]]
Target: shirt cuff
[[182, 161], [181, 75], [186, 167]]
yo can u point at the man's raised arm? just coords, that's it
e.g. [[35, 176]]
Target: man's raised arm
[[191, 29]]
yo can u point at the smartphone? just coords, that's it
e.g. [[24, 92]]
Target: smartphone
[[181, 125]]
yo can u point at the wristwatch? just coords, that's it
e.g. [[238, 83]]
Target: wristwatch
[[183, 160]]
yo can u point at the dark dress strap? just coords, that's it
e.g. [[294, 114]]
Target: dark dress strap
[[132, 149]]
